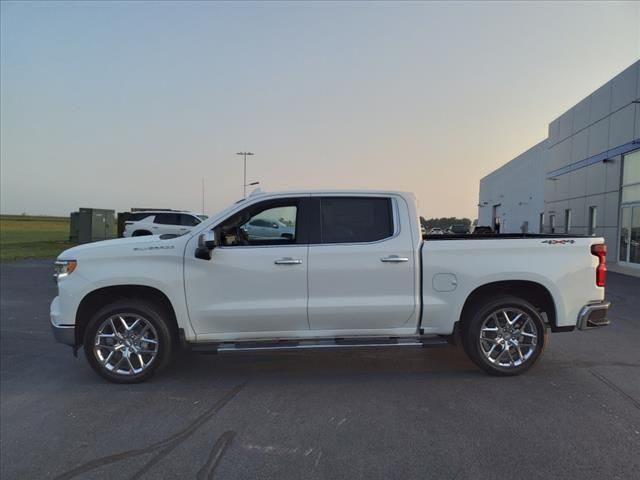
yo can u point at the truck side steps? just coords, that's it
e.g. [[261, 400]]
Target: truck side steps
[[275, 345]]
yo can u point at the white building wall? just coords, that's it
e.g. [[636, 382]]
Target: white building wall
[[585, 145], [516, 190], [578, 168]]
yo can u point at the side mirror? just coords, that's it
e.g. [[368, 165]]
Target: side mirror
[[206, 243], [208, 240]]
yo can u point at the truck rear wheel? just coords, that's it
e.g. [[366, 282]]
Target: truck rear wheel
[[504, 336], [127, 341]]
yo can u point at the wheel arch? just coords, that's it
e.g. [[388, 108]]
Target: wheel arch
[[98, 298], [533, 292]]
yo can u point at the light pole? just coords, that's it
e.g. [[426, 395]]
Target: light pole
[[244, 183]]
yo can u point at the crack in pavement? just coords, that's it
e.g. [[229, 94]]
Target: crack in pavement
[[221, 445], [613, 386], [164, 446]]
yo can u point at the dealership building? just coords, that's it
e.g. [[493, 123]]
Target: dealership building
[[584, 178]]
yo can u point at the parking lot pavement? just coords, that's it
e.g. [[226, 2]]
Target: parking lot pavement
[[405, 413]]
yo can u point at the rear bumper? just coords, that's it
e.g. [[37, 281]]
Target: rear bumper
[[593, 316]]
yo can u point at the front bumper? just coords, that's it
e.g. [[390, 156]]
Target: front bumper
[[593, 316], [62, 333]]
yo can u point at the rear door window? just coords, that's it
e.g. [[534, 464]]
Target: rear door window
[[136, 217], [355, 219], [259, 223], [168, 219], [188, 220]]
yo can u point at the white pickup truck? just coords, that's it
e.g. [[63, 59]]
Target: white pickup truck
[[350, 269]]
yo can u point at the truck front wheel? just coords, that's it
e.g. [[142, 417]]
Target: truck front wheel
[[127, 341], [504, 336]]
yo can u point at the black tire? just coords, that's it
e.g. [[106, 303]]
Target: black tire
[[527, 349], [161, 332], [141, 233]]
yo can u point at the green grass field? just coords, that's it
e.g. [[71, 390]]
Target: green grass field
[[24, 236]]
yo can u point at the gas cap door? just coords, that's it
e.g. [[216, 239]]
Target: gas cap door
[[444, 282]]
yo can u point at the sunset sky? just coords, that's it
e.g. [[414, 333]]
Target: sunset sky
[[127, 104]]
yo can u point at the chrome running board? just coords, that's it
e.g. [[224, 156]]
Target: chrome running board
[[310, 344]]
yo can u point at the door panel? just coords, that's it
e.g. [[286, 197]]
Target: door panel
[[362, 285], [625, 233], [167, 223], [351, 288], [251, 283], [242, 289], [634, 237]]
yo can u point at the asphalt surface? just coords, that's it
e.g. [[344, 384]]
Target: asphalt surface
[[405, 413]]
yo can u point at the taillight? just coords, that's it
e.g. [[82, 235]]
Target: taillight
[[600, 251]]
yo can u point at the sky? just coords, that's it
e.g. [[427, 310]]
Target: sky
[[132, 104]]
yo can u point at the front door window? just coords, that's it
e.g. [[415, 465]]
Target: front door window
[[271, 225], [274, 224]]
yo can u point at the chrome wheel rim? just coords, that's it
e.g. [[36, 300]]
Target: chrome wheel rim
[[508, 337], [126, 344]]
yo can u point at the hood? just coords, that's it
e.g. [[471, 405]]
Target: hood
[[119, 245]]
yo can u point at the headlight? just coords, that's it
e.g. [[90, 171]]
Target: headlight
[[64, 268]]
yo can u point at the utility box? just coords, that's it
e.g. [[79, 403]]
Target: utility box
[[74, 228], [92, 225]]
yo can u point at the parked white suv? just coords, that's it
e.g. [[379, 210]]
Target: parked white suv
[[160, 222]]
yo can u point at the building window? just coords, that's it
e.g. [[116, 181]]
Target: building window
[[552, 223], [541, 223], [593, 215], [567, 220], [631, 178], [629, 251]]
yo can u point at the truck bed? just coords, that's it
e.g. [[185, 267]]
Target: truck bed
[[501, 236], [453, 270]]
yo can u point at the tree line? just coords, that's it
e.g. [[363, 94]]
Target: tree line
[[444, 222]]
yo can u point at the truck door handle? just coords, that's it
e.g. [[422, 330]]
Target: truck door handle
[[394, 259], [288, 261]]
